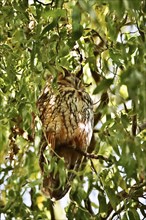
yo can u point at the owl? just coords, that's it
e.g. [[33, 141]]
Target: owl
[[66, 112]]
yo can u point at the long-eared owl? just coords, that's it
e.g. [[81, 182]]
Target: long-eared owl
[[66, 113]]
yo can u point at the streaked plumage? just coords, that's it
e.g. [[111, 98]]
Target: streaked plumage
[[66, 113]]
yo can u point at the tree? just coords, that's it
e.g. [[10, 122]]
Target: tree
[[105, 40]]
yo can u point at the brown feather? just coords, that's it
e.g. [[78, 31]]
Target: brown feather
[[67, 121]]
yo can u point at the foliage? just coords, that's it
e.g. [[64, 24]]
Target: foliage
[[106, 41]]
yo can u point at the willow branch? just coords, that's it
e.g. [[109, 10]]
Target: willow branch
[[124, 195], [134, 125], [91, 156], [45, 4]]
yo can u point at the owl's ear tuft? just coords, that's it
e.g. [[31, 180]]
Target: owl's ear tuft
[[64, 72]]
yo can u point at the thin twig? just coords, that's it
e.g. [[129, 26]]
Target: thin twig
[[93, 167], [45, 4], [89, 206], [93, 156], [134, 125], [51, 209], [123, 196]]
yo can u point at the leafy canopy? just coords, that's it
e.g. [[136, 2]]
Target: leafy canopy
[[106, 41]]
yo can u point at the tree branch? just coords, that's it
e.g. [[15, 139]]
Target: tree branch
[[124, 195], [91, 156], [45, 4], [134, 125], [51, 209]]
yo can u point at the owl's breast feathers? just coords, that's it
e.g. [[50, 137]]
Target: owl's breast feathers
[[67, 118]]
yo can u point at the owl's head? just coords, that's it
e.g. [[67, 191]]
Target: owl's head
[[69, 80]]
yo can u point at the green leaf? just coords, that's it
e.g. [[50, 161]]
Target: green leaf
[[132, 213], [103, 85], [116, 56], [56, 12], [125, 120], [49, 27], [62, 172], [102, 205], [77, 28], [125, 217], [76, 14], [114, 200], [105, 39], [77, 31]]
